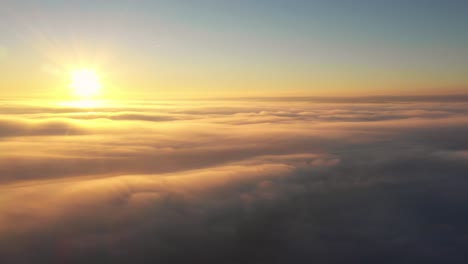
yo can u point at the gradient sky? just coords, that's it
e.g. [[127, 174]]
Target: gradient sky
[[211, 48]]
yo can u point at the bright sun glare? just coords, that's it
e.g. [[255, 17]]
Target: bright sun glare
[[85, 82]]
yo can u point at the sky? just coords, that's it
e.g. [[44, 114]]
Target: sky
[[206, 48], [231, 132]]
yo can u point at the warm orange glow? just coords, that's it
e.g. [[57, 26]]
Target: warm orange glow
[[85, 103], [85, 82]]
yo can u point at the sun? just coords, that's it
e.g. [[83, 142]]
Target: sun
[[85, 82]]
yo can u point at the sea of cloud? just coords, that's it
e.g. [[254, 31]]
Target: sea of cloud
[[234, 181]]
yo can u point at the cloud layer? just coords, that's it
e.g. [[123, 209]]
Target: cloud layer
[[244, 181]]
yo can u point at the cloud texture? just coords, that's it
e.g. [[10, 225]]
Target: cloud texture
[[244, 181]]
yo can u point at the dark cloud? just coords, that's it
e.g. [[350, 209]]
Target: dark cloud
[[206, 182], [17, 128]]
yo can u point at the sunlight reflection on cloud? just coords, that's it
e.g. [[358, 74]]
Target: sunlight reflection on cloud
[[209, 171]]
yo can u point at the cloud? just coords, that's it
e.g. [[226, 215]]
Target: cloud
[[10, 127], [234, 182]]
